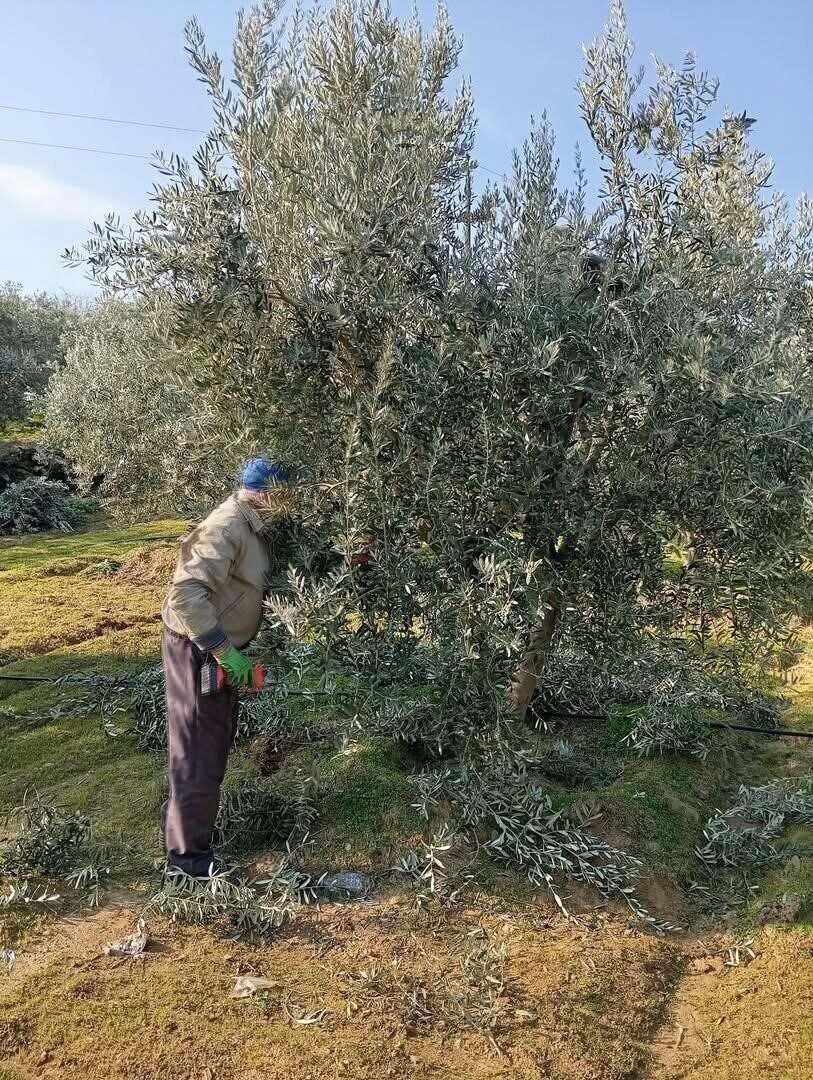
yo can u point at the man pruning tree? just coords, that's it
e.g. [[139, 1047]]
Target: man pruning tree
[[214, 608]]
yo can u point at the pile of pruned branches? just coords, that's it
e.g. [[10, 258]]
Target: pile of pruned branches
[[747, 834], [523, 832], [748, 837], [39, 505], [48, 845]]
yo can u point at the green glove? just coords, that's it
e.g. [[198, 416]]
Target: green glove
[[238, 667]]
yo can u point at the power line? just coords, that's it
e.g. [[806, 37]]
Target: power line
[[142, 157], [130, 123], [84, 149], [101, 119], [493, 172]]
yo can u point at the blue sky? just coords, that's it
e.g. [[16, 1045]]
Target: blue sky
[[112, 58]]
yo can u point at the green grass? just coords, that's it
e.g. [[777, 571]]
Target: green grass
[[98, 540], [793, 881], [653, 808], [55, 619], [72, 761], [75, 764], [366, 790], [656, 807], [26, 430], [51, 603], [58, 620]]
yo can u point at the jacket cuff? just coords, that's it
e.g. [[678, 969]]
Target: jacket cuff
[[213, 639]]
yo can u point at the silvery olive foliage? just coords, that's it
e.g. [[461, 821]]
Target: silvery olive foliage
[[135, 702], [37, 505], [49, 842], [254, 907], [512, 406], [253, 815], [521, 829], [31, 349], [115, 412], [747, 833], [47, 838]]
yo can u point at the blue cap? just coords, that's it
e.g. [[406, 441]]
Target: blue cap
[[261, 472]]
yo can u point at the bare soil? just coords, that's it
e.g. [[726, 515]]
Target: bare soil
[[738, 1023], [362, 990], [369, 990]]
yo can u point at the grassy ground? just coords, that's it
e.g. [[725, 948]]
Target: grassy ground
[[59, 592], [21, 431], [375, 989]]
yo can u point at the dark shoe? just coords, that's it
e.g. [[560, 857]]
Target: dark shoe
[[216, 868]]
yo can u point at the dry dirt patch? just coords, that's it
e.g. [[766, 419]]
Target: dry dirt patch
[[750, 1022], [360, 991]]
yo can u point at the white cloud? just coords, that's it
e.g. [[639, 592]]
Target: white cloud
[[39, 195]]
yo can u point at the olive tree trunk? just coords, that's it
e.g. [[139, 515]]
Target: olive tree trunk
[[526, 676]]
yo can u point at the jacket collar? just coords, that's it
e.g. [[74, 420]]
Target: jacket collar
[[250, 514]]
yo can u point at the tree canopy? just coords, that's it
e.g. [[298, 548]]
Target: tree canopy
[[31, 329], [513, 407]]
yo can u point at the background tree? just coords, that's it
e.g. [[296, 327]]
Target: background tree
[[117, 414], [31, 329]]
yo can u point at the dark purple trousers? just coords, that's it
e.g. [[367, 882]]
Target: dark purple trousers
[[200, 730]]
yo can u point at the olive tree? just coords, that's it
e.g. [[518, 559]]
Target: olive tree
[[31, 329], [582, 414], [512, 409], [116, 412], [283, 259]]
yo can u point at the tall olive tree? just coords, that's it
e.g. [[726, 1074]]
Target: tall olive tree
[[600, 414], [288, 256], [513, 410]]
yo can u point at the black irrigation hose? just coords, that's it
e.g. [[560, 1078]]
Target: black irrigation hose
[[707, 723], [761, 730], [67, 678], [30, 678], [782, 732]]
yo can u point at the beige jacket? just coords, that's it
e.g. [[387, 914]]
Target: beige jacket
[[218, 586]]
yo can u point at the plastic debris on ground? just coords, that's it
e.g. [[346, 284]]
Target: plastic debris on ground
[[347, 883], [132, 946], [248, 985], [8, 958]]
